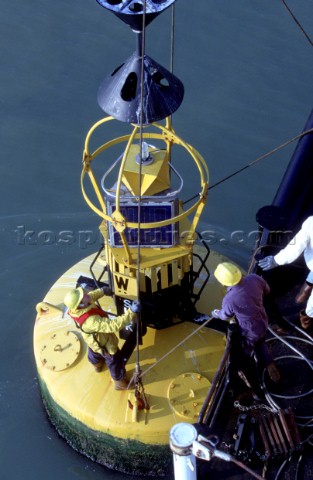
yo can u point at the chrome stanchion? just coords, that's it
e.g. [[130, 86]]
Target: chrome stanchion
[[182, 436]]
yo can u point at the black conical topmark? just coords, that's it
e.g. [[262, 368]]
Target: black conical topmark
[[131, 11], [120, 93]]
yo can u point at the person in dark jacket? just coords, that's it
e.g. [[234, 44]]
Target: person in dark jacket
[[244, 301]]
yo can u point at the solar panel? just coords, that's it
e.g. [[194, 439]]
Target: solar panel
[[149, 213]]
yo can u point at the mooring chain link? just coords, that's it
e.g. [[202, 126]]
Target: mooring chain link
[[245, 408]]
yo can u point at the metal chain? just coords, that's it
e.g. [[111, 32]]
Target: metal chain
[[245, 408]]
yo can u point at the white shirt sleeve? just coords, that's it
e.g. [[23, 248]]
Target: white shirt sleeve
[[300, 242]]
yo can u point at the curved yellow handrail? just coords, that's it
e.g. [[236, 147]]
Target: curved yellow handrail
[[119, 180], [169, 137]]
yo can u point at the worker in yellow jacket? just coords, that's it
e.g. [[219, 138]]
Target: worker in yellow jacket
[[99, 332]]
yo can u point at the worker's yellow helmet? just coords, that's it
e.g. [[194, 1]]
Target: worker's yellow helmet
[[228, 274], [73, 298]]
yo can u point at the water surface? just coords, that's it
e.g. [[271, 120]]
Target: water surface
[[247, 70]]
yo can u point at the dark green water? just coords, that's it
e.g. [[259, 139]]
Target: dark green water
[[247, 70]]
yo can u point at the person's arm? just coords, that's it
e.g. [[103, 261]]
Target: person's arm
[[94, 295], [226, 312], [98, 324], [294, 248]]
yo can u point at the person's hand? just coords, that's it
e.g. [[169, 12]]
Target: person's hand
[[107, 291], [267, 263], [85, 300], [215, 313], [136, 306]]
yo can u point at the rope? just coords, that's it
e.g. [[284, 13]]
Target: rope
[[169, 124], [298, 23], [177, 346], [281, 146], [172, 38], [276, 149], [138, 329], [138, 374], [265, 155]]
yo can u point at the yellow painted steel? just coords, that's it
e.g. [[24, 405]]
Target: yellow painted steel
[[186, 394], [176, 259], [60, 351], [90, 397], [155, 177], [152, 262], [169, 137], [175, 385], [122, 167]]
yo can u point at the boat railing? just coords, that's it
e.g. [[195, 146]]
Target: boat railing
[[215, 396]]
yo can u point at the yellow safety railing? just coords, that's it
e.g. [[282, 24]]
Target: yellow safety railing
[[169, 137]]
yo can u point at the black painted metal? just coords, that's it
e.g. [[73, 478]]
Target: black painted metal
[[131, 11], [294, 194], [120, 93]]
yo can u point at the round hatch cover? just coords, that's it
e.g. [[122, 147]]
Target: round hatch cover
[[60, 351], [187, 393]]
